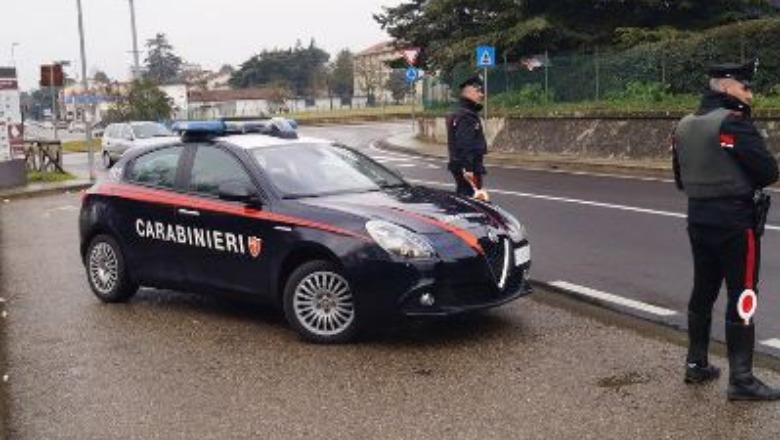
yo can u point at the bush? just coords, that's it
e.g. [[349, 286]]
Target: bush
[[527, 95], [682, 63], [642, 92]]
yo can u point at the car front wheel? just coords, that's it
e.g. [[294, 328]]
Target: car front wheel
[[107, 161], [106, 271], [318, 303]]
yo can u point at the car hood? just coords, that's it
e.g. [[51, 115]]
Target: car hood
[[424, 210]]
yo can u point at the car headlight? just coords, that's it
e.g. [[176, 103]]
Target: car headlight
[[516, 229], [399, 241]]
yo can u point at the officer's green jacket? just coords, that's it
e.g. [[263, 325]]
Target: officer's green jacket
[[719, 159]]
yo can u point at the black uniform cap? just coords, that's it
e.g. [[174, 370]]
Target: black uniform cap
[[740, 72], [475, 81]]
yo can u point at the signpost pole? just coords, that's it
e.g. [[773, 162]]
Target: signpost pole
[[53, 100], [486, 102]]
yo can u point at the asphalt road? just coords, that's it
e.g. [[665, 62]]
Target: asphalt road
[[618, 236], [621, 237], [171, 365]]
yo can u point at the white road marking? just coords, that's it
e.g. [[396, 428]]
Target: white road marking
[[578, 202], [603, 296], [557, 171], [774, 343]]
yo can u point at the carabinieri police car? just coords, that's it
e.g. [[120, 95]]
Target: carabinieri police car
[[332, 237]]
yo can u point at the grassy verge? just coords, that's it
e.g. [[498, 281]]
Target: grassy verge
[[36, 176], [356, 113], [79, 146]]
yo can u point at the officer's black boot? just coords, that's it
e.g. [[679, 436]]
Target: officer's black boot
[[740, 339], [698, 368]]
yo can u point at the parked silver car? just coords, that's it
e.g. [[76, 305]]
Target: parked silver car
[[120, 137]]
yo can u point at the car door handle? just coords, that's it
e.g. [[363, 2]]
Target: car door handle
[[189, 212]]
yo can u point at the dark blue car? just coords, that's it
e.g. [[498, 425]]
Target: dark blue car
[[319, 229]]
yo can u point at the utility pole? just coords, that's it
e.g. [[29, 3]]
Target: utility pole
[[136, 62], [87, 106], [13, 55]]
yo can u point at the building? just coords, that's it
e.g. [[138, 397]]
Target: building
[[372, 70]]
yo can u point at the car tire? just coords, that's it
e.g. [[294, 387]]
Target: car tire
[[106, 271], [318, 303], [107, 161]]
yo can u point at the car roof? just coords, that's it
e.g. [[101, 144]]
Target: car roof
[[251, 141]]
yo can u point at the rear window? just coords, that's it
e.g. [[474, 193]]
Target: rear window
[[157, 168]]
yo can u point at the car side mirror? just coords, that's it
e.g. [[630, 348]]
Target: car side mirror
[[238, 192]]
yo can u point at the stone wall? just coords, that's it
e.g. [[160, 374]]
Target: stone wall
[[605, 137]]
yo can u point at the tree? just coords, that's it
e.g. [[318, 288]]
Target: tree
[[144, 102], [397, 84], [163, 66], [370, 76], [226, 69], [343, 75], [280, 92], [101, 77], [301, 67], [449, 30]]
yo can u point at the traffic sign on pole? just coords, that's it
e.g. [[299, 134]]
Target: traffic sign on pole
[[486, 56], [412, 74], [411, 55]]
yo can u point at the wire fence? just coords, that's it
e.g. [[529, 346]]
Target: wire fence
[[593, 75]]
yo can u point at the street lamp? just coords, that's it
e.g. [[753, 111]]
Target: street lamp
[[136, 63], [85, 85]]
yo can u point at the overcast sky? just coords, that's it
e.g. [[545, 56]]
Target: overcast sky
[[205, 32]]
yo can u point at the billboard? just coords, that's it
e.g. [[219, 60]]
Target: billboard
[[11, 124]]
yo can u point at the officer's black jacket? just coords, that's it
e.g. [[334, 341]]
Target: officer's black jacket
[[749, 152], [465, 137]]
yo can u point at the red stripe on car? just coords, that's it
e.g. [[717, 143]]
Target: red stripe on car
[[165, 198]]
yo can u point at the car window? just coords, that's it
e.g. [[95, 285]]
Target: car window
[[305, 170], [110, 131], [127, 133], [212, 167], [145, 130], [157, 168]]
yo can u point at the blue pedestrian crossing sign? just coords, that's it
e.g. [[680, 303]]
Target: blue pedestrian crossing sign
[[486, 56], [412, 73]]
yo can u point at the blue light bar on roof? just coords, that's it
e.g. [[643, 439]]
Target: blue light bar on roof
[[199, 127]]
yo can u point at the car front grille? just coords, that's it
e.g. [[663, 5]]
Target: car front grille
[[497, 254]]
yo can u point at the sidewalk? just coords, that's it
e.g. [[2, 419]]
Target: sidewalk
[[42, 189], [408, 143]]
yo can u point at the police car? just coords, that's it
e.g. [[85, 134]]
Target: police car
[[326, 233]]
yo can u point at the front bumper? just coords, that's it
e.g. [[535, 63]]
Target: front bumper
[[459, 284]]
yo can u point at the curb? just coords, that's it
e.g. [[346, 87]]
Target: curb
[[39, 190], [535, 164], [669, 329]]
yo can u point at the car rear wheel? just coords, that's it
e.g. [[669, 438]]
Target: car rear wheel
[[106, 271], [107, 161], [318, 303]]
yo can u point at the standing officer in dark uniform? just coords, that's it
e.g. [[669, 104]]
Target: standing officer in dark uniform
[[466, 139], [722, 163]]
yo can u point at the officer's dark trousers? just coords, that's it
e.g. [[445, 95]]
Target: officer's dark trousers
[[718, 254], [462, 186]]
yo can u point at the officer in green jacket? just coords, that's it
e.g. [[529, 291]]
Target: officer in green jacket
[[721, 163]]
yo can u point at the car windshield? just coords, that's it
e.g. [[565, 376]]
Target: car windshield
[[310, 170], [145, 130]]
